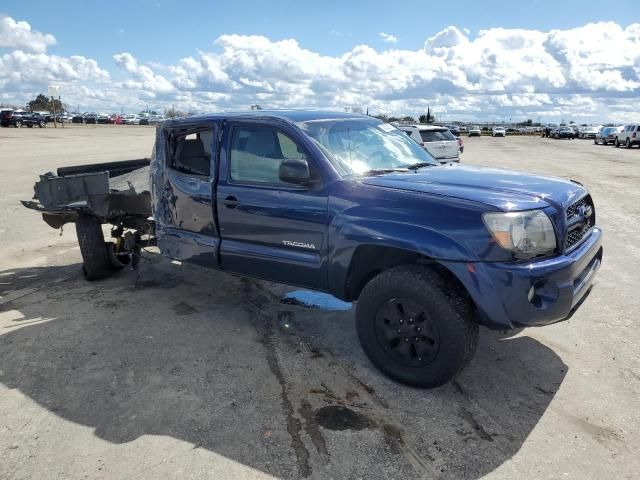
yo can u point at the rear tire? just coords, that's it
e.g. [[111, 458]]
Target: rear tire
[[95, 254], [415, 328]]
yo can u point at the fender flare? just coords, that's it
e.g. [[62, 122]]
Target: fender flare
[[411, 238]]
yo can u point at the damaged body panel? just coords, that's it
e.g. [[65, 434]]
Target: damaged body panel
[[183, 192], [109, 191]]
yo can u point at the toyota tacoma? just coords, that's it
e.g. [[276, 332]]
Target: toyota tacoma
[[348, 205]]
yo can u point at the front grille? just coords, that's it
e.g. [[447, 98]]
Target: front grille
[[581, 218]]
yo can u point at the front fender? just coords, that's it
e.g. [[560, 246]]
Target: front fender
[[348, 236]]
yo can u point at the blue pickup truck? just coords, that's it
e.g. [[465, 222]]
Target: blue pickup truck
[[348, 205]]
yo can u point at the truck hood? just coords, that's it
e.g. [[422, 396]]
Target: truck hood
[[503, 189]]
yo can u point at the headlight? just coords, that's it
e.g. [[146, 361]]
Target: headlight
[[527, 234]]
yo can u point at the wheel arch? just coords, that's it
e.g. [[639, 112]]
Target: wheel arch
[[368, 261]]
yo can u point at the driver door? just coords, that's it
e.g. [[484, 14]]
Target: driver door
[[270, 228]]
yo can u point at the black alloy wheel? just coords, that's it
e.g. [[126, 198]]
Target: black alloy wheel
[[407, 333]]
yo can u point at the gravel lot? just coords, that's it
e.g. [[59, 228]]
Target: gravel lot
[[178, 372]]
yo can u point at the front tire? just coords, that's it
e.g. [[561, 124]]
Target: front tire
[[616, 142], [415, 328], [628, 143]]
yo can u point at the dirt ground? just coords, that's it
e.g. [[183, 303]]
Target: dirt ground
[[173, 371]]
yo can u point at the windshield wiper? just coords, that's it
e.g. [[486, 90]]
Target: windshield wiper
[[418, 165], [380, 171]]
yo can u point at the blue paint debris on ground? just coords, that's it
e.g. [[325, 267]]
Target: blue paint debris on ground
[[324, 301]]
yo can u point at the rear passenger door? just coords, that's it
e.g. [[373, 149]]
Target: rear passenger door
[[184, 175], [269, 228]]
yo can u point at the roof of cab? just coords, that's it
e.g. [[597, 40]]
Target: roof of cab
[[289, 115]]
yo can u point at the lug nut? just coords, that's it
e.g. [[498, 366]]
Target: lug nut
[[406, 339]]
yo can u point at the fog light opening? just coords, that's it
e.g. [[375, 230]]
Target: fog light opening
[[532, 292], [543, 293]]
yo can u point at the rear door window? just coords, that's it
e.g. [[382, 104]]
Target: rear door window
[[436, 135], [190, 151]]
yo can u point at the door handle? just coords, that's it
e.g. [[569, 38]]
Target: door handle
[[231, 202]]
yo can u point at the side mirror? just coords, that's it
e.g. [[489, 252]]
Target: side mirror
[[294, 171]]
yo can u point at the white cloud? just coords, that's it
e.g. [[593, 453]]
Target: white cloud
[[388, 38], [590, 72], [144, 79], [20, 68], [19, 35]]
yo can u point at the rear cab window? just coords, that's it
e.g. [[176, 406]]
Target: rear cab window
[[190, 150]]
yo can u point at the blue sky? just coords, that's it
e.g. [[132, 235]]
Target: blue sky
[[163, 30], [477, 59]]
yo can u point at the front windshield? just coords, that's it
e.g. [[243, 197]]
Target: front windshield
[[357, 146]]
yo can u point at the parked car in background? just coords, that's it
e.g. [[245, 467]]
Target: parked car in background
[[77, 118], [64, 117], [91, 118], [115, 119], [439, 142], [550, 127], [131, 119], [102, 118], [20, 118], [498, 132], [628, 136], [588, 132], [607, 135], [6, 111], [156, 119], [475, 131], [454, 129], [564, 132]]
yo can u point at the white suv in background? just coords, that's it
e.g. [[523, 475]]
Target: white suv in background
[[439, 142], [131, 119], [629, 136], [498, 132], [475, 131]]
